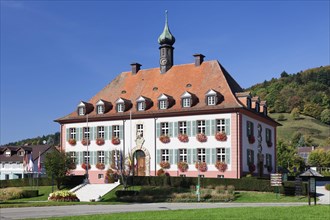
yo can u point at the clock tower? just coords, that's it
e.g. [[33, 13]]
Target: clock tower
[[166, 41]]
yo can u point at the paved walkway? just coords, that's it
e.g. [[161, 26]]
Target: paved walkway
[[322, 193], [76, 210]]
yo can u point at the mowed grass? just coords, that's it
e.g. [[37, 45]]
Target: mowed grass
[[266, 197], [297, 212], [306, 125]]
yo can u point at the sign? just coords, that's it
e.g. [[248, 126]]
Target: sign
[[312, 186], [276, 179], [298, 186]]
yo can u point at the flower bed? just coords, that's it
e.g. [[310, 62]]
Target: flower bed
[[164, 139], [85, 142], [115, 141], [63, 196], [201, 137], [84, 166], [99, 141], [183, 138], [251, 139], [202, 166], [100, 166], [221, 166], [72, 142], [165, 164], [183, 166], [221, 136]]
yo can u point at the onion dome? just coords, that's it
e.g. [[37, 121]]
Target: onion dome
[[166, 37]]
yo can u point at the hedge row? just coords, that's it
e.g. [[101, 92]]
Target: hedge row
[[243, 184], [68, 181]]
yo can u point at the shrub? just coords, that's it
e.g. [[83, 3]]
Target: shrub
[[231, 189], [30, 193], [11, 193], [121, 193], [63, 196], [220, 189], [327, 187], [281, 117]]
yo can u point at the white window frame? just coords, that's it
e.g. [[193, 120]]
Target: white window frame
[[81, 110], [100, 132], [182, 127], [73, 156], [221, 154], [186, 102], [7, 153], [201, 127], [86, 131], [166, 155], [73, 133], [100, 109], [164, 128], [115, 131], [162, 104], [87, 157], [139, 129], [141, 106], [221, 125], [183, 155], [201, 154], [100, 157], [120, 107], [211, 100]]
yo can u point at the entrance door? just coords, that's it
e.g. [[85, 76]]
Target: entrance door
[[140, 163]]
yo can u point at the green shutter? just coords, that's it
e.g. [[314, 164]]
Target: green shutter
[[157, 156], [270, 160], [208, 155], [175, 156], [106, 133], [93, 157], [171, 155], [247, 156], [95, 133], [158, 129], [91, 132], [207, 127], [194, 155], [213, 127], [67, 134], [110, 157], [81, 157], [227, 121], [170, 129], [106, 157], [227, 155], [121, 130], [189, 128], [175, 129], [110, 132], [252, 156], [213, 156], [189, 156], [193, 133], [81, 133]]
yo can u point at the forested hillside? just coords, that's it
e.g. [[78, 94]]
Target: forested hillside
[[51, 139], [306, 92]]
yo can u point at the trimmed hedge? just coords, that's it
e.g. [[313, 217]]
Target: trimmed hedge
[[30, 193], [121, 193], [243, 184]]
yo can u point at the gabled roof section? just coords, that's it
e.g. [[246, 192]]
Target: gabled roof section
[[162, 97], [186, 95], [210, 74]]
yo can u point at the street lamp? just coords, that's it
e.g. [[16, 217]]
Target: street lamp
[[199, 182]]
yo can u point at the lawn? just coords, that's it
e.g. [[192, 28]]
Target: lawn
[[297, 212], [265, 197]]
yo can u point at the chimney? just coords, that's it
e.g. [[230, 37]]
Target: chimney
[[199, 58], [135, 68]]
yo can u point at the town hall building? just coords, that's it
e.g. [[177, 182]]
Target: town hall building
[[184, 120]]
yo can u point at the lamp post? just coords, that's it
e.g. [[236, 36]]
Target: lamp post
[[199, 182]]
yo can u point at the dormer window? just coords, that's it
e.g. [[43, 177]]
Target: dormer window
[[186, 100], [211, 100], [211, 97], [100, 109], [8, 153], [84, 108], [143, 103], [141, 106], [120, 107], [20, 153], [81, 110], [163, 102]]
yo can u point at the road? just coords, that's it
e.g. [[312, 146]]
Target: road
[[59, 211]]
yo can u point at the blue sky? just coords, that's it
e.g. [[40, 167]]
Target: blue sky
[[56, 53]]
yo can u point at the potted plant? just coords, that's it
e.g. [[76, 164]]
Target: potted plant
[[85, 141], [252, 167], [72, 141], [183, 138], [99, 141], [165, 164], [160, 172], [201, 166], [251, 139], [100, 166], [164, 139], [201, 137], [84, 166], [183, 166], [221, 136], [221, 166], [115, 140]]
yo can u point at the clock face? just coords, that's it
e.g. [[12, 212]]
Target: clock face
[[163, 61]]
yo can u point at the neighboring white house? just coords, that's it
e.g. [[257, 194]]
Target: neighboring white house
[[192, 113]]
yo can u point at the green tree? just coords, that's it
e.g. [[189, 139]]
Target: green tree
[[319, 158], [295, 114], [287, 157], [313, 110], [325, 116], [57, 165]]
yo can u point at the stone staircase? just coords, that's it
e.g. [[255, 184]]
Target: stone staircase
[[92, 192]]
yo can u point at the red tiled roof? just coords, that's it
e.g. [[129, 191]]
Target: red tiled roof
[[150, 83]]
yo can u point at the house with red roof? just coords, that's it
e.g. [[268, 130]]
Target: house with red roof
[[186, 120]]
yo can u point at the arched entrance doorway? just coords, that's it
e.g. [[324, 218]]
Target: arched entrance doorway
[[139, 163]]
